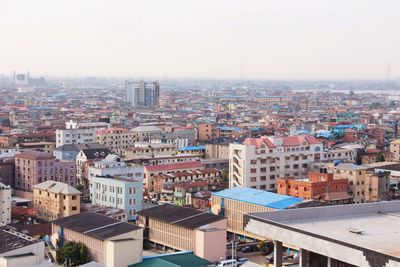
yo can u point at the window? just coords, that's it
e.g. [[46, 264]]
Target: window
[[73, 197], [74, 208]]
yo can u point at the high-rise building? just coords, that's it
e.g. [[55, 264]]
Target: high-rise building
[[142, 93], [5, 206]]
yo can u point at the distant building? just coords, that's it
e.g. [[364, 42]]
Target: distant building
[[207, 132], [185, 229], [115, 139], [5, 204], [142, 93], [69, 152], [75, 136], [121, 193], [7, 172], [144, 133], [54, 200], [83, 160], [110, 242]]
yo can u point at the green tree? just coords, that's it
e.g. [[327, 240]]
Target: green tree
[[74, 253], [380, 157], [351, 93], [225, 175]]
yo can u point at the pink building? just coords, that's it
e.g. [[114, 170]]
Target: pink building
[[33, 167]]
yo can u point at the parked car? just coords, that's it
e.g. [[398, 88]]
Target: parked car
[[228, 263], [242, 261], [270, 258]]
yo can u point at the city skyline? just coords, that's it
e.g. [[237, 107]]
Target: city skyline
[[272, 40]]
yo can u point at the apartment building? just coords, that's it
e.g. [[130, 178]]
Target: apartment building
[[5, 204], [113, 165], [142, 93], [33, 167], [217, 151], [151, 171], [83, 160], [7, 172], [207, 132], [144, 133], [257, 163], [163, 181], [149, 150], [110, 242], [319, 186], [365, 185], [395, 149], [185, 229], [117, 192], [54, 200], [234, 203], [116, 139], [75, 136]]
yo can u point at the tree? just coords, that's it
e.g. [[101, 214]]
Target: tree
[[74, 253], [380, 157], [225, 175], [351, 93]]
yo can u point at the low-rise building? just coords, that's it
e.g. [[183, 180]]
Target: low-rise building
[[33, 167], [185, 229], [339, 235], [233, 203], [151, 171], [395, 149], [18, 249], [365, 185], [117, 192], [54, 200], [5, 204], [319, 186], [110, 242], [116, 139]]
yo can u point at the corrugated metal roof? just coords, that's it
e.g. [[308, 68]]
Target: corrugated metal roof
[[259, 197]]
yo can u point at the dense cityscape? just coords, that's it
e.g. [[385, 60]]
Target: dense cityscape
[[205, 133]]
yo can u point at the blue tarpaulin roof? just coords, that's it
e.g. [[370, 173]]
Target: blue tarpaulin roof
[[259, 197], [190, 148]]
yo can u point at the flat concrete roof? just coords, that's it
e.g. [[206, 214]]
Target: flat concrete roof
[[374, 226]]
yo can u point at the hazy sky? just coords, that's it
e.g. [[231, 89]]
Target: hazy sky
[[289, 39]]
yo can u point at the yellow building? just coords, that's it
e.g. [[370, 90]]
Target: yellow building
[[395, 149], [53, 200]]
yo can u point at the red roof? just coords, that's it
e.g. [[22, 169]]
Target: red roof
[[258, 142], [174, 166]]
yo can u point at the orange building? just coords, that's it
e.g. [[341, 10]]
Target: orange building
[[320, 186], [207, 132]]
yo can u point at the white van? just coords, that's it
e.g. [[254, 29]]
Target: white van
[[228, 263]]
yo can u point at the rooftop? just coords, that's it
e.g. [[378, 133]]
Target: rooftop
[[57, 188], [96, 225], [185, 217], [12, 240], [174, 166], [34, 155], [373, 226], [259, 197]]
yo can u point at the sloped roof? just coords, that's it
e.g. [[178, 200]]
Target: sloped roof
[[57, 188]]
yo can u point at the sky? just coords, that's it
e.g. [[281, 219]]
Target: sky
[[280, 39]]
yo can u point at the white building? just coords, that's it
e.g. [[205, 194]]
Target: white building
[[257, 163], [78, 133], [5, 204], [117, 192], [112, 165]]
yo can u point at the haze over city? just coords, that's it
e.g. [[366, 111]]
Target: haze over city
[[308, 39]]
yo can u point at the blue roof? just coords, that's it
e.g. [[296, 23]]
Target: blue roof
[[259, 197], [189, 148], [227, 128]]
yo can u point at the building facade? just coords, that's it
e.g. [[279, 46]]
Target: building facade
[[258, 163], [54, 200], [5, 204], [115, 139], [126, 194], [32, 167]]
